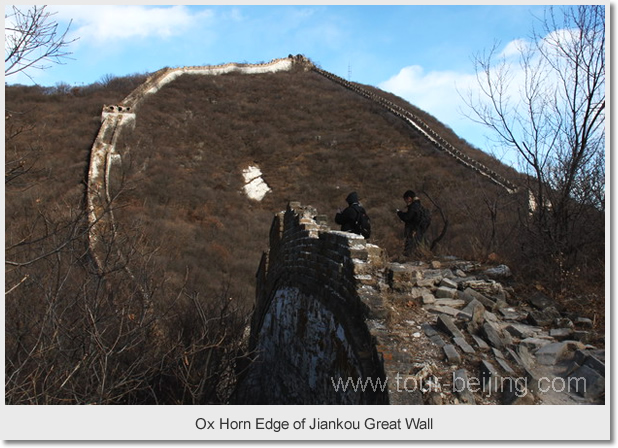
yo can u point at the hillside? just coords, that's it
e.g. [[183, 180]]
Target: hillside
[[314, 142], [166, 301]]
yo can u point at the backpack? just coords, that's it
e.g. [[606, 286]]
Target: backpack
[[363, 223], [425, 219]]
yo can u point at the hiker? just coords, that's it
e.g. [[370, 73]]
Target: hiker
[[354, 217], [416, 219]]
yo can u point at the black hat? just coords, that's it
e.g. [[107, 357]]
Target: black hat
[[352, 198]]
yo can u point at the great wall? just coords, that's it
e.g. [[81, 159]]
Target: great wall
[[116, 117], [330, 307], [335, 323]]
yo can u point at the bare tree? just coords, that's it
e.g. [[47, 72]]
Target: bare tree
[[546, 100], [32, 40]]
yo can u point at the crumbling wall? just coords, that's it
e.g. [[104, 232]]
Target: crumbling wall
[[310, 333]]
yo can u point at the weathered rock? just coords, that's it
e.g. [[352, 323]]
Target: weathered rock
[[450, 302], [427, 297], [587, 382], [482, 345], [552, 353], [437, 339], [434, 398], [583, 322], [433, 335], [540, 300], [509, 313], [446, 324], [505, 366], [474, 312], [488, 372], [445, 293], [463, 344], [499, 272], [525, 357], [534, 344], [543, 318], [429, 330], [442, 309], [595, 364], [497, 353], [462, 387], [469, 294], [564, 322], [560, 333], [522, 331], [515, 392], [515, 358], [401, 277], [448, 283], [426, 282], [492, 333], [451, 354]]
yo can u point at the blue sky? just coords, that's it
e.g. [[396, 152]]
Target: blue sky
[[421, 53]]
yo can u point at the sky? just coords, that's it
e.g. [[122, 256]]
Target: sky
[[423, 54]]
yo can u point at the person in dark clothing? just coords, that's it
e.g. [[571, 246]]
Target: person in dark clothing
[[415, 223], [348, 218]]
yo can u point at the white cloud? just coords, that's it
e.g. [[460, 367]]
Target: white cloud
[[111, 23], [515, 48], [436, 92]]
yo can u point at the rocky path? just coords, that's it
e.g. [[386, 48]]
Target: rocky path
[[455, 334]]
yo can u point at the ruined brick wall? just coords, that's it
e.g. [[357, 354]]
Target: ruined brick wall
[[314, 306]]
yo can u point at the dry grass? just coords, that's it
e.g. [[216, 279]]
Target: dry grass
[[193, 240]]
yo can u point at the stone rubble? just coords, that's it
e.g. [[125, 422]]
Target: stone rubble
[[504, 349]]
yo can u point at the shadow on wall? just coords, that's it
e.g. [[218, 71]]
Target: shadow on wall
[[310, 336]]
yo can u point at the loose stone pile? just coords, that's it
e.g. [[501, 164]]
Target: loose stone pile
[[455, 334]]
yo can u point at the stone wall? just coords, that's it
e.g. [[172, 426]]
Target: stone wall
[[336, 323], [310, 332]]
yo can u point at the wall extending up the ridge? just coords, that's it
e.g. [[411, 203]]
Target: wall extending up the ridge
[[425, 130], [315, 301], [115, 117]]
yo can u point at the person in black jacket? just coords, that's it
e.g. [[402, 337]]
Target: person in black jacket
[[415, 227], [348, 217]]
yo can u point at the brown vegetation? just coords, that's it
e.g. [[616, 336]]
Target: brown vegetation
[[166, 322]]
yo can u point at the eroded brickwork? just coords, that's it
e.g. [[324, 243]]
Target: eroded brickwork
[[310, 331]]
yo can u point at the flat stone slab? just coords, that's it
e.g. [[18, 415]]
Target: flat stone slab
[[446, 324], [505, 366], [463, 345], [560, 333], [583, 322], [551, 353], [522, 331], [437, 340], [511, 313], [448, 283], [451, 354], [534, 344], [470, 294], [450, 302], [482, 345], [443, 309], [445, 293]]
